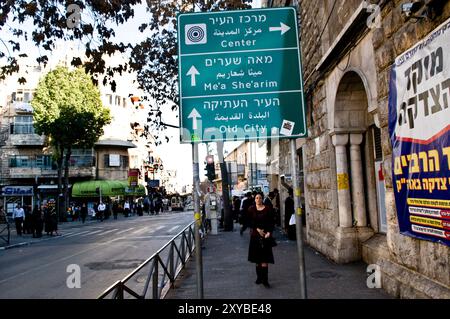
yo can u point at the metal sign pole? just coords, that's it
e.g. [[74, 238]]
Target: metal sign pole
[[298, 220], [198, 220]]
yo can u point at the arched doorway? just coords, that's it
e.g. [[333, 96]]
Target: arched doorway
[[357, 143]]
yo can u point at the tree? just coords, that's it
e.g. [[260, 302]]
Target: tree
[[67, 108], [89, 22]]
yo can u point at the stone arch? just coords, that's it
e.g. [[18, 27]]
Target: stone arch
[[354, 146], [351, 104]]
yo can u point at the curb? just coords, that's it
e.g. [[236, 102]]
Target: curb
[[15, 245], [28, 243]]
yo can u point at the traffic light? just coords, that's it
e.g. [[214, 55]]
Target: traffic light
[[210, 170]]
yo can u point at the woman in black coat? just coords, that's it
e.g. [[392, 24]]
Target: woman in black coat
[[261, 241]]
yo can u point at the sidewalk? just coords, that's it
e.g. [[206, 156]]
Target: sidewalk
[[228, 275]]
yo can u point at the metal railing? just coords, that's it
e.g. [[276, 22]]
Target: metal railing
[[154, 277], [5, 233]]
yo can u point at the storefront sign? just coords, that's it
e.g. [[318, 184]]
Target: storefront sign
[[133, 177], [153, 183], [419, 124], [17, 191]]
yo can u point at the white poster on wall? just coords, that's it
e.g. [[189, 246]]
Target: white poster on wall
[[114, 160]]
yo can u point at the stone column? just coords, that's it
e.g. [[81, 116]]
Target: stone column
[[359, 202], [345, 211]]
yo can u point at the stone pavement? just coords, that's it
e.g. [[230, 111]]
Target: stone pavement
[[228, 275]]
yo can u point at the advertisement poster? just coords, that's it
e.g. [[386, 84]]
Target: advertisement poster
[[133, 177], [419, 124]]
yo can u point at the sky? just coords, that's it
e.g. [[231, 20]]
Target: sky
[[175, 156]]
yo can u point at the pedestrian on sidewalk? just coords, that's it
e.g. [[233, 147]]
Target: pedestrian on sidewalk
[[126, 207], [37, 222], [83, 212], [18, 216], [289, 211], [53, 217], [261, 222], [101, 209], [246, 203], [115, 209]]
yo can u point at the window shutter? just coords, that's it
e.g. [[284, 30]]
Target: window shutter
[[106, 160], [124, 161], [377, 143]]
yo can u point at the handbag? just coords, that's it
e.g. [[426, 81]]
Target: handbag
[[267, 242], [292, 220]]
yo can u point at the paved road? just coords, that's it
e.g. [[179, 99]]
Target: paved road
[[105, 252]]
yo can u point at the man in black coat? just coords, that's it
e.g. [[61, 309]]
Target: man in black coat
[[289, 210], [247, 202]]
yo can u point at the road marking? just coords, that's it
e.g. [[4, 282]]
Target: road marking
[[125, 230], [139, 231], [158, 228], [108, 231], [92, 233], [58, 260], [173, 228], [152, 237], [76, 234]]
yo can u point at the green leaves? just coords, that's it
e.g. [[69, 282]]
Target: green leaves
[[154, 59], [67, 107]]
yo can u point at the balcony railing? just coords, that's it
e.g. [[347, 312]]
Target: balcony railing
[[48, 163]]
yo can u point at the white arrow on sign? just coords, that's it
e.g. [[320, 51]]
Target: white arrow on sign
[[194, 115], [192, 72], [283, 28]]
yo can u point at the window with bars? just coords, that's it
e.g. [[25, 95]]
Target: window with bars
[[44, 161], [82, 158], [23, 124], [20, 161]]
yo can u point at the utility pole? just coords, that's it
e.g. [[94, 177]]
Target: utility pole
[[228, 218], [298, 220], [198, 220]]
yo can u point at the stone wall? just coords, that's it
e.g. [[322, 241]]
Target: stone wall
[[319, 159]]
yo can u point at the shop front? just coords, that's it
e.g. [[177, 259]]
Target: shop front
[[14, 195]]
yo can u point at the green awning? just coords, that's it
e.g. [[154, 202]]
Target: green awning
[[88, 188], [139, 190], [108, 187]]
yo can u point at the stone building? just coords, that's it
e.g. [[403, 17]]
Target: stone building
[[246, 167], [348, 50], [28, 173]]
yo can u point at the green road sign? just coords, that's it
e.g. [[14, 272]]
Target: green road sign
[[240, 75]]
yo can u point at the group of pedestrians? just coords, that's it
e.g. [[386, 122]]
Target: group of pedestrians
[[241, 207], [41, 219]]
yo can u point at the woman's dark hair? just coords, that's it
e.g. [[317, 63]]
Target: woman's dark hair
[[260, 193]]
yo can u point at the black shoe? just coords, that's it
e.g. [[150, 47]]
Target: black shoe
[[258, 281], [266, 284]]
